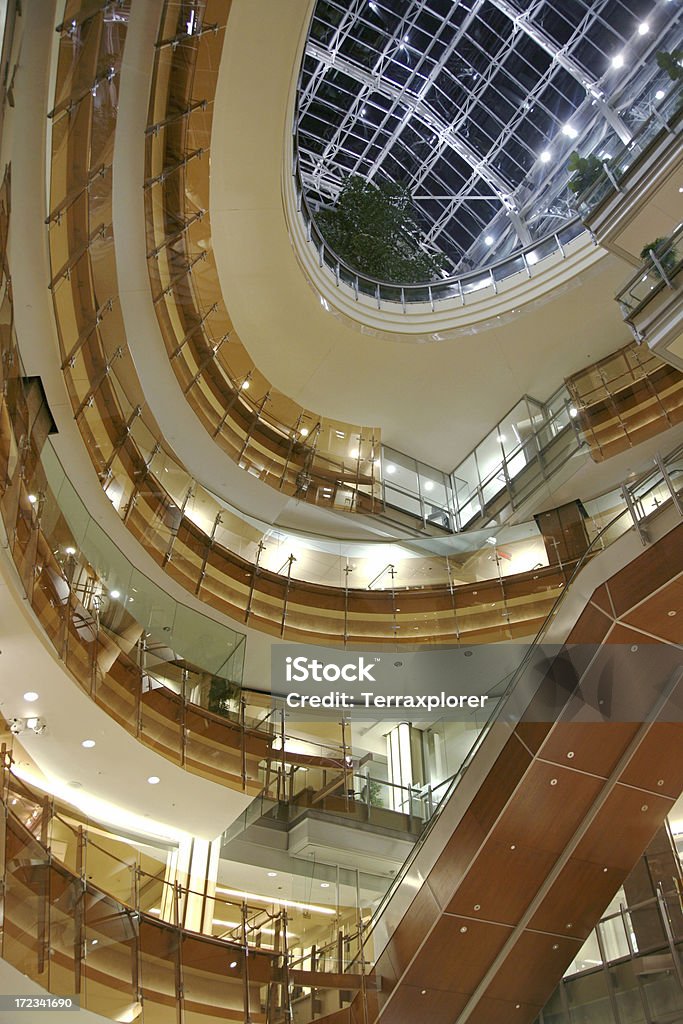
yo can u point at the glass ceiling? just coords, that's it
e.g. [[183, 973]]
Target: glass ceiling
[[476, 106]]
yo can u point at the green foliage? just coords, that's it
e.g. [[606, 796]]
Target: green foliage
[[670, 61], [375, 793], [372, 228], [584, 171], [221, 692], [668, 258]]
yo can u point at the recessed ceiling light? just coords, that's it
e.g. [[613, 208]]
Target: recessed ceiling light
[[618, 61], [70, 550], [88, 744], [429, 485], [324, 885], [32, 498], [153, 780], [30, 696], [643, 28], [660, 94], [390, 468], [115, 594], [545, 156], [272, 874], [245, 385], [233, 964], [573, 411], [489, 240], [304, 431]]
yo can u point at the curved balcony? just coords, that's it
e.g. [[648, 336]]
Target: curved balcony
[[604, 787], [179, 522]]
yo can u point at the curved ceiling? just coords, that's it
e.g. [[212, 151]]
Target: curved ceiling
[[435, 401], [475, 106]]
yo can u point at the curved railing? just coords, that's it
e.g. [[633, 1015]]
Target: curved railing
[[118, 932], [478, 284], [109, 927], [179, 522], [461, 289], [293, 449], [619, 160], [52, 903], [505, 711], [197, 541]]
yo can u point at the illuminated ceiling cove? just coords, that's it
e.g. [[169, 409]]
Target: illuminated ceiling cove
[[476, 105]]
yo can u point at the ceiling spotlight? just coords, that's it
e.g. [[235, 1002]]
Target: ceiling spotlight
[[573, 411], [324, 885], [660, 94], [30, 696], [492, 541], [153, 780], [643, 28], [32, 498], [570, 132], [390, 468], [304, 431], [233, 963], [545, 156], [489, 240], [618, 61], [245, 385], [501, 438], [429, 485], [70, 550], [36, 725], [272, 874], [88, 744], [115, 594], [353, 454]]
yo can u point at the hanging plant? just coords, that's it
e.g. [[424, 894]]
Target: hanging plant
[[584, 171], [668, 257], [372, 228], [670, 61]]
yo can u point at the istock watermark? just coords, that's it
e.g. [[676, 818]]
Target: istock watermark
[[471, 684]]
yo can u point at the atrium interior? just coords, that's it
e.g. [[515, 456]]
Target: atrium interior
[[239, 473]]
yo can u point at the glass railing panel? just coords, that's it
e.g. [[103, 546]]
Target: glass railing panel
[[65, 908], [25, 926], [159, 955], [589, 996], [513, 265], [161, 719], [663, 993], [213, 988], [109, 965], [118, 683]]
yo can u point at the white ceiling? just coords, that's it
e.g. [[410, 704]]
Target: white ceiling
[[435, 401], [113, 775]]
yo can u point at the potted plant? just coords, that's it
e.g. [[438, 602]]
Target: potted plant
[[221, 693], [372, 227], [667, 257], [584, 171], [670, 61]]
